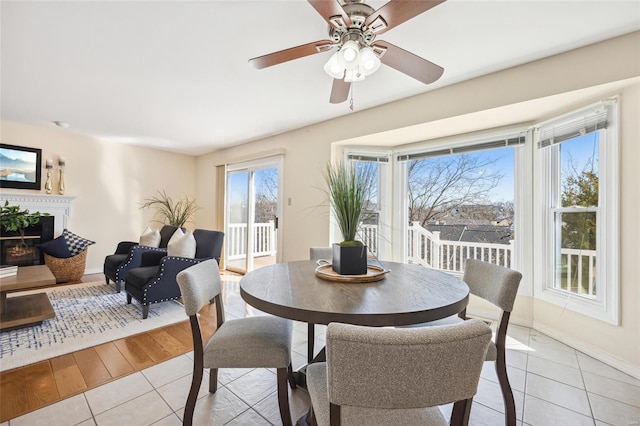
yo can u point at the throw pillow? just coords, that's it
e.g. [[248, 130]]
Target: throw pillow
[[182, 245], [76, 243], [56, 247], [150, 238]]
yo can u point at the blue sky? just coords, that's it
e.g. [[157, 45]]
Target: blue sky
[[21, 155]]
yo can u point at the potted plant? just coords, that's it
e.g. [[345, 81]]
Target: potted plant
[[12, 219], [173, 213], [348, 191]]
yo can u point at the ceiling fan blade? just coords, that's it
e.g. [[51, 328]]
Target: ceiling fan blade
[[408, 63], [290, 54], [339, 91], [332, 12], [396, 12]]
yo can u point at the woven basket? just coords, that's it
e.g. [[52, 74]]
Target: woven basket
[[67, 269]]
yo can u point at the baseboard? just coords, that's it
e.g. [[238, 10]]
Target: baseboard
[[93, 271], [597, 353]]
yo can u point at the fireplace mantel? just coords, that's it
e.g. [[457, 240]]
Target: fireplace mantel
[[58, 206]]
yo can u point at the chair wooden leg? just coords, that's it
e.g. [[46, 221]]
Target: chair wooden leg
[[213, 380], [118, 285], [106, 278], [507, 393], [283, 397], [292, 379], [311, 335], [145, 311], [193, 395], [334, 415], [128, 299], [461, 412]]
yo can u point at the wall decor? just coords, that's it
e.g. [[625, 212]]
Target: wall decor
[[20, 167], [61, 164]]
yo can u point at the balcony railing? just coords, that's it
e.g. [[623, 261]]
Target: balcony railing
[[264, 240], [426, 248]]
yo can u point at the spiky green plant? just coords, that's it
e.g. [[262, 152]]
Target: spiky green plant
[[348, 194], [173, 213]]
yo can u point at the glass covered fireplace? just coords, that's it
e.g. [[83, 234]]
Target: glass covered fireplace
[[22, 251]]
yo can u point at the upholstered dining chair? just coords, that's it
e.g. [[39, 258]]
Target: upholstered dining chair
[[499, 286], [128, 255], [154, 281], [397, 376], [251, 342], [315, 253]]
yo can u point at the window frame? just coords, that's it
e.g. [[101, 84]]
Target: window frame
[[605, 306]]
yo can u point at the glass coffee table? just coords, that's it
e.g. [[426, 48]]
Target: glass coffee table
[[30, 309]]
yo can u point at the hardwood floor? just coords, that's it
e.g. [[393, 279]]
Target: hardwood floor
[[34, 386]]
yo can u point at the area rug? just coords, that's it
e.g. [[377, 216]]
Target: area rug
[[86, 315]]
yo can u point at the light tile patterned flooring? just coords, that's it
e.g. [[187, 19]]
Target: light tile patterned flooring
[[553, 385]]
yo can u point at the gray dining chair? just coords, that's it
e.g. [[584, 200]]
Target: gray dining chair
[[397, 376], [316, 253], [499, 286], [252, 342]]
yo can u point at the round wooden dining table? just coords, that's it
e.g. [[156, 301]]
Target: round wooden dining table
[[408, 294]]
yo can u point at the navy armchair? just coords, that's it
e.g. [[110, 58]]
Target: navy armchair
[[154, 280], [128, 255]]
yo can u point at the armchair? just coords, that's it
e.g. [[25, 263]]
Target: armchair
[[128, 255], [154, 280]]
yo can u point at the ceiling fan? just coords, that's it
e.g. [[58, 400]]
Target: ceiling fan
[[353, 27]]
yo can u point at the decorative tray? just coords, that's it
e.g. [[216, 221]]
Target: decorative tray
[[374, 273]]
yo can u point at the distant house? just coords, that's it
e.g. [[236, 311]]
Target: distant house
[[473, 233]]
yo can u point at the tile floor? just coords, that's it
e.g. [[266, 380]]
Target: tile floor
[[553, 385]]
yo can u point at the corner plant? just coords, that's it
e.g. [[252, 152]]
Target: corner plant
[[12, 219], [348, 193], [173, 213]]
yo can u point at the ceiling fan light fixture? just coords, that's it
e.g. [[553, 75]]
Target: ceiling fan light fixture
[[369, 61], [333, 67], [353, 75], [349, 55]]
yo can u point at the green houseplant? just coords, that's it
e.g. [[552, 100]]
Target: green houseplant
[[175, 213], [348, 191], [12, 219]]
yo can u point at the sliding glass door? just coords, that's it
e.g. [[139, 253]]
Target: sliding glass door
[[252, 214]]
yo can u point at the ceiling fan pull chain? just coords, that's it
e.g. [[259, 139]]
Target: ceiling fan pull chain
[[351, 101]]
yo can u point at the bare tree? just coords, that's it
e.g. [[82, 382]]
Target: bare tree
[[439, 185], [266, 196]]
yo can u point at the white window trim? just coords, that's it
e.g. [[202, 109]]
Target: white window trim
[[385, 232], [606, 306]]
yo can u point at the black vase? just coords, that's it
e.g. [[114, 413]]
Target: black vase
[[349, 260]]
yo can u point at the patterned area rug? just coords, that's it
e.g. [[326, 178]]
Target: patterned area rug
[[86, 315]]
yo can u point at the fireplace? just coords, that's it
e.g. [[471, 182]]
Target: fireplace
[[19, 251]]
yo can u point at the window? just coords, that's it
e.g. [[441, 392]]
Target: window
[[460, 201], [577, 194], [373, 231]]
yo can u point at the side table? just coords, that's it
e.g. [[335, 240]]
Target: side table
[[27, 310]]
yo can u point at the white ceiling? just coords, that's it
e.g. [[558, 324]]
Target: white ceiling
[[174, 74]]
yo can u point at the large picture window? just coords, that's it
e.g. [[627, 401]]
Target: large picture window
[[577, 165], [460, 202]]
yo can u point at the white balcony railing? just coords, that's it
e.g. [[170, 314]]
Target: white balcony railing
[[264, 240], [426, 248]]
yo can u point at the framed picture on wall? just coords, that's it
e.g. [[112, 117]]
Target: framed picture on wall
[[20, 167]]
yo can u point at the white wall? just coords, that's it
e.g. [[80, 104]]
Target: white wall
[[307, 150], [108, 180]]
